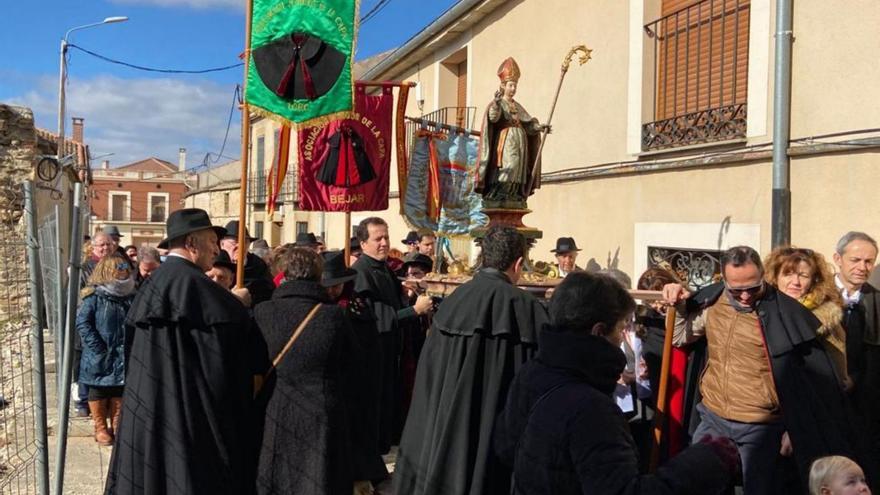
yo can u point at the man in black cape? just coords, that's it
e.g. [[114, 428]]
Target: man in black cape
[[768, 376], [188, 384], [382, 292], [481, 335]]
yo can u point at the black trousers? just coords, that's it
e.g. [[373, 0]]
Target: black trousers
[[101, 393]]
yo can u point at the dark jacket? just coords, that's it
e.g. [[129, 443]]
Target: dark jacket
[[863, 362], [188, 389], [482, 334], [381, 290], [306, 445], [812, 402], [100, 323], [562, 433]]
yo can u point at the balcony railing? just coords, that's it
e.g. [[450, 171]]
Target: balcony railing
[[455, 116], [699, 63], [258, 189]]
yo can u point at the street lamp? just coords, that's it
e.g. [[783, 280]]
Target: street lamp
[[62, 75]]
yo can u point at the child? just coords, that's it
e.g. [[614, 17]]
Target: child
[[837, 475]]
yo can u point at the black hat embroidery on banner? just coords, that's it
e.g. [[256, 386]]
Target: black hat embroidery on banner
[[299, 66]]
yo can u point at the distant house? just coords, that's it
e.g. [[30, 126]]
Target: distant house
[[217, 191], [138, 197]]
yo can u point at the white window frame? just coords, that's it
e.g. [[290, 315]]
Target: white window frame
[[126, 214], [150, 196]]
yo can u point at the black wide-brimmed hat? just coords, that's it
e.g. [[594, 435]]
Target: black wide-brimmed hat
[[419, 260], [232, 231], [335, 271], [565, 245], [411, 238], [354, 244], [112, 230], [187, 221], [306, 239], [299, 66], [222, 260]]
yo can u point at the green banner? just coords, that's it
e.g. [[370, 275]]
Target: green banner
[[299, 66]]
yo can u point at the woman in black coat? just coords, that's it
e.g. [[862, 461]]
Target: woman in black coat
[[561, 432], [305, 447]]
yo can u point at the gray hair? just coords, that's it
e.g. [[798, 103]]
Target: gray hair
[[854, 236], [147, 253]]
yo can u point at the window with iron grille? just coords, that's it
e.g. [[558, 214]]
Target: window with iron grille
[[700, 52], [302, 227], [258, 230]]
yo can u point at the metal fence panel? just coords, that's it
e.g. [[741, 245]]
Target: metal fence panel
[[17, 411]]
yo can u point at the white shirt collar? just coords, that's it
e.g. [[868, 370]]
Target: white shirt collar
[[848, 298]]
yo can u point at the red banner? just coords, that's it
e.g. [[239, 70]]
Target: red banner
[[344, 165]]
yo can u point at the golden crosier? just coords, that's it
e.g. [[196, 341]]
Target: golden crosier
[[585, 55]]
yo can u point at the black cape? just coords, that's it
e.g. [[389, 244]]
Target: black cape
[[188, 389], [481, 335], [813, 404], [381, 290]]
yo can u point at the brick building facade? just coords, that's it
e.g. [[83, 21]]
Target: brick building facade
[[137, 198]]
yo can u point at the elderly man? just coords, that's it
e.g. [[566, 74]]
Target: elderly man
[[381, 290], [768, 383], [481, 335], [566, 256], [188, 385], [855, 256], [102, 245], [257, 278]]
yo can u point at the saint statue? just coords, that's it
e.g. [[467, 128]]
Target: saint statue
[[509, 147]]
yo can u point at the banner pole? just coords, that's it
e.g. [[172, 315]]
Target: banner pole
[[347, 238], [245, 154]]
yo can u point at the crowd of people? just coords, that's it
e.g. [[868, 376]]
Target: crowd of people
[[301, 377]]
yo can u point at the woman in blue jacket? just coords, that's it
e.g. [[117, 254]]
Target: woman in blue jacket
[[100, 323]]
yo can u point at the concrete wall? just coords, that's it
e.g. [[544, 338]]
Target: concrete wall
[[602, 106]]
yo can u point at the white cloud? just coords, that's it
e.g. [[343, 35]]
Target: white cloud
[[139, 118], [195, 4]]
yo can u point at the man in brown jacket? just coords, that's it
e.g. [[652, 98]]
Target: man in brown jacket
[[768, 383]]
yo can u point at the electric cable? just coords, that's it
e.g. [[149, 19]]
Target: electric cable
[[153, 69]]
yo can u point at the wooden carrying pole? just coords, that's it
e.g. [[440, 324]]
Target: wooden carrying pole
[[660, 410], [245, 154]]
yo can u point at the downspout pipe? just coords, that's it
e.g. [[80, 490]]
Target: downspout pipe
[[781, 206]]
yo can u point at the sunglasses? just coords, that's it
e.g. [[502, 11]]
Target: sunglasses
[[793, 250], [122, 266], [738, 291]]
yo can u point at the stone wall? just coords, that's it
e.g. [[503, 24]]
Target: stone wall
[[18, 149]]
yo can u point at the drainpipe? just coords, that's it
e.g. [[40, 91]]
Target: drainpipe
[[781, 209]]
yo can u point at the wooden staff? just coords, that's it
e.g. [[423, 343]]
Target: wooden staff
[[584, 57], [660, 413], [245, 154], [347, 238]]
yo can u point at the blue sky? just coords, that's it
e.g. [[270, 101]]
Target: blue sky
[[135, 114]]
